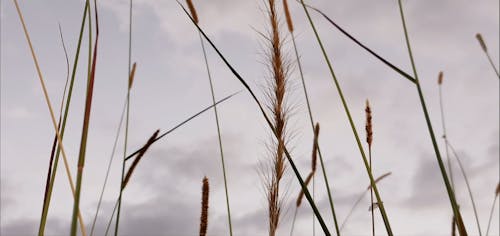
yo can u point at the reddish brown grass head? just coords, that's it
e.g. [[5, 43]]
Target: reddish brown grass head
[[204, 207], [440, 78], [368, 127], [288, 16]]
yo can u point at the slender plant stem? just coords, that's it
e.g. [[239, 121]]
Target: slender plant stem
[[293, 221], [311, 119], [491, 214], [86, 120], [49, 104], [469, 189], [383, 60], [353, 127], [218, 135], [54, 143], [268, 121], [371, 191], [449, 189], [445, 137], [127, 116], [109, 168], [45, 210]]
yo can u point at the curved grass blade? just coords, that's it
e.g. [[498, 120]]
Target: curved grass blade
[[85, 128], [287, 154], [353, 127], [386, 62], [451, 194]]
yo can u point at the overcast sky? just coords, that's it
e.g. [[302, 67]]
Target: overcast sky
[[163, 197]]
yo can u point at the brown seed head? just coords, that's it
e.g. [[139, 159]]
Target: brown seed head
[[131, 77], [192, 10], [288, 17], [479, 38], [315, 149], [368, 127], [497, 191], [440, 78], [138, 158], [301, 193], [204, 207]]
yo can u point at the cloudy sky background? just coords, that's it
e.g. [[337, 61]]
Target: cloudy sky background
[[163, 198]]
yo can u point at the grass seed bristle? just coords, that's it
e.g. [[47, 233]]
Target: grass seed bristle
[[288, 16], [204, 207]]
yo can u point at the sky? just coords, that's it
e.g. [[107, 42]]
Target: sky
[[163, 196]]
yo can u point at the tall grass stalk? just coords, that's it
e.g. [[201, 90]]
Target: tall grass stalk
[[485, 50], [268, 121], [309, 177], [445, 139], [373, 53], [311, 119], [369, 140], [49, 105], [449, 189], [45, 210], [108, 168], [86, 121], [353, 127], [469, 190], [127, 116], [497, 193], [54, 142], [221, 150]]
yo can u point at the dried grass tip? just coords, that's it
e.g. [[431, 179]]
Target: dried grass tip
[[192, 10], [288, 16], [440, 78], [479, 38], [131, 77]]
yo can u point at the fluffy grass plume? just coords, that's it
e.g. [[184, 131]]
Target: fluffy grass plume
[[277, 106], [204, 207]]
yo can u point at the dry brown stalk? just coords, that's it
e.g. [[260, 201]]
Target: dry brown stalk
[[138, 158], [314, 157], [204, 207], [192, 10]]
